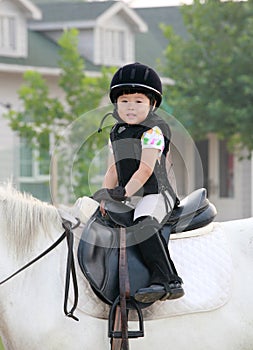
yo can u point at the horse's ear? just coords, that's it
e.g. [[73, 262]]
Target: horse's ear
[[86, 207]]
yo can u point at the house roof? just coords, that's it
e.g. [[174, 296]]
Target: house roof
[[43, 52], [84, 14], [32, 11], [38, 43], [73, 10]]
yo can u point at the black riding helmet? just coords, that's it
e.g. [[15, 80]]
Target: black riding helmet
[[136, 77], [132, 78]]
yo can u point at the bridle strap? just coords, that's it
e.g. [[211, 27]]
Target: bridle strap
[[70, 269], [124, 288], [54, 245]]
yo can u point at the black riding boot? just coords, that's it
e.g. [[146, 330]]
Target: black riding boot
[[165, 282]]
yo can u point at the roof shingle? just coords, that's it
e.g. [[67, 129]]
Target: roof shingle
[[73, 11]]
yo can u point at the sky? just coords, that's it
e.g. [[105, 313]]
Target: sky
[[156, 3]]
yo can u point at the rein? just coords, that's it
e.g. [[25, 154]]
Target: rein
[[70, 268]]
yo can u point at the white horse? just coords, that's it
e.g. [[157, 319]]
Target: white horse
[[216, 316]]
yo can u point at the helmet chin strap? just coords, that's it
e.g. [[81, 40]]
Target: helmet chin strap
[[115, 115], [103, 119]]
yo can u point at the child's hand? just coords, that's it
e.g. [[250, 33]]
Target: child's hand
[[118, 193], [106, 194], [102, 208]]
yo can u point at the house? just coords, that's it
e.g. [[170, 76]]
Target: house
[[110, 33]]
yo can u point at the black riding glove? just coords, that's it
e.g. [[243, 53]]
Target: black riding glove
[[118, 193]]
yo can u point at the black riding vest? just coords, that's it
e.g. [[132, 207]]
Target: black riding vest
[[126, 145]]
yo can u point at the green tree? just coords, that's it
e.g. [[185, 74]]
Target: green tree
[[213, 71], [44, 117]]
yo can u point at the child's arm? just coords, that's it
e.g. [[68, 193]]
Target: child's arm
[[147, 164], [111, 178]]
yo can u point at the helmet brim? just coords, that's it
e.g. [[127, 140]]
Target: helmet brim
[[119, 89]]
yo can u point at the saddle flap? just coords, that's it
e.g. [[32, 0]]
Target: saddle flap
[[98, 255]]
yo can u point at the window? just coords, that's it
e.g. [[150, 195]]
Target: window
[[8, 32], [39, 190], [26, 159], [34, 168], [202, 169], [34, 162], [226, 173], [115, 45]]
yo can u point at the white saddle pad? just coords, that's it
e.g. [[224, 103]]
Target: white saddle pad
[[205, 265]]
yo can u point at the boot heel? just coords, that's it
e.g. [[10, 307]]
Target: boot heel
[[150, 294], [175, 293]]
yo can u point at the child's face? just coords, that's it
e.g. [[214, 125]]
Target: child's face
[[133, 108]]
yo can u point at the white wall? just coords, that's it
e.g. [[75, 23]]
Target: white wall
[[7, 150], [9, 141]]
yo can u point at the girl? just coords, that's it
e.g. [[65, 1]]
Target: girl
[[140, 142]]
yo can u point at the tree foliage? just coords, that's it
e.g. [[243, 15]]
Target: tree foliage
[[212, 69], [43, 116]]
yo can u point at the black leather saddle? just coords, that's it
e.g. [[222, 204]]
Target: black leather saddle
[[98, 251], [98, 256]]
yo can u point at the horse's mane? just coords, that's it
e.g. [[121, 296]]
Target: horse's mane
[[25, 217]]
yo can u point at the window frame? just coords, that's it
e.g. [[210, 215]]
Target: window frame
[[226, 171], [113, 46], [8, 34], [35, 165]]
